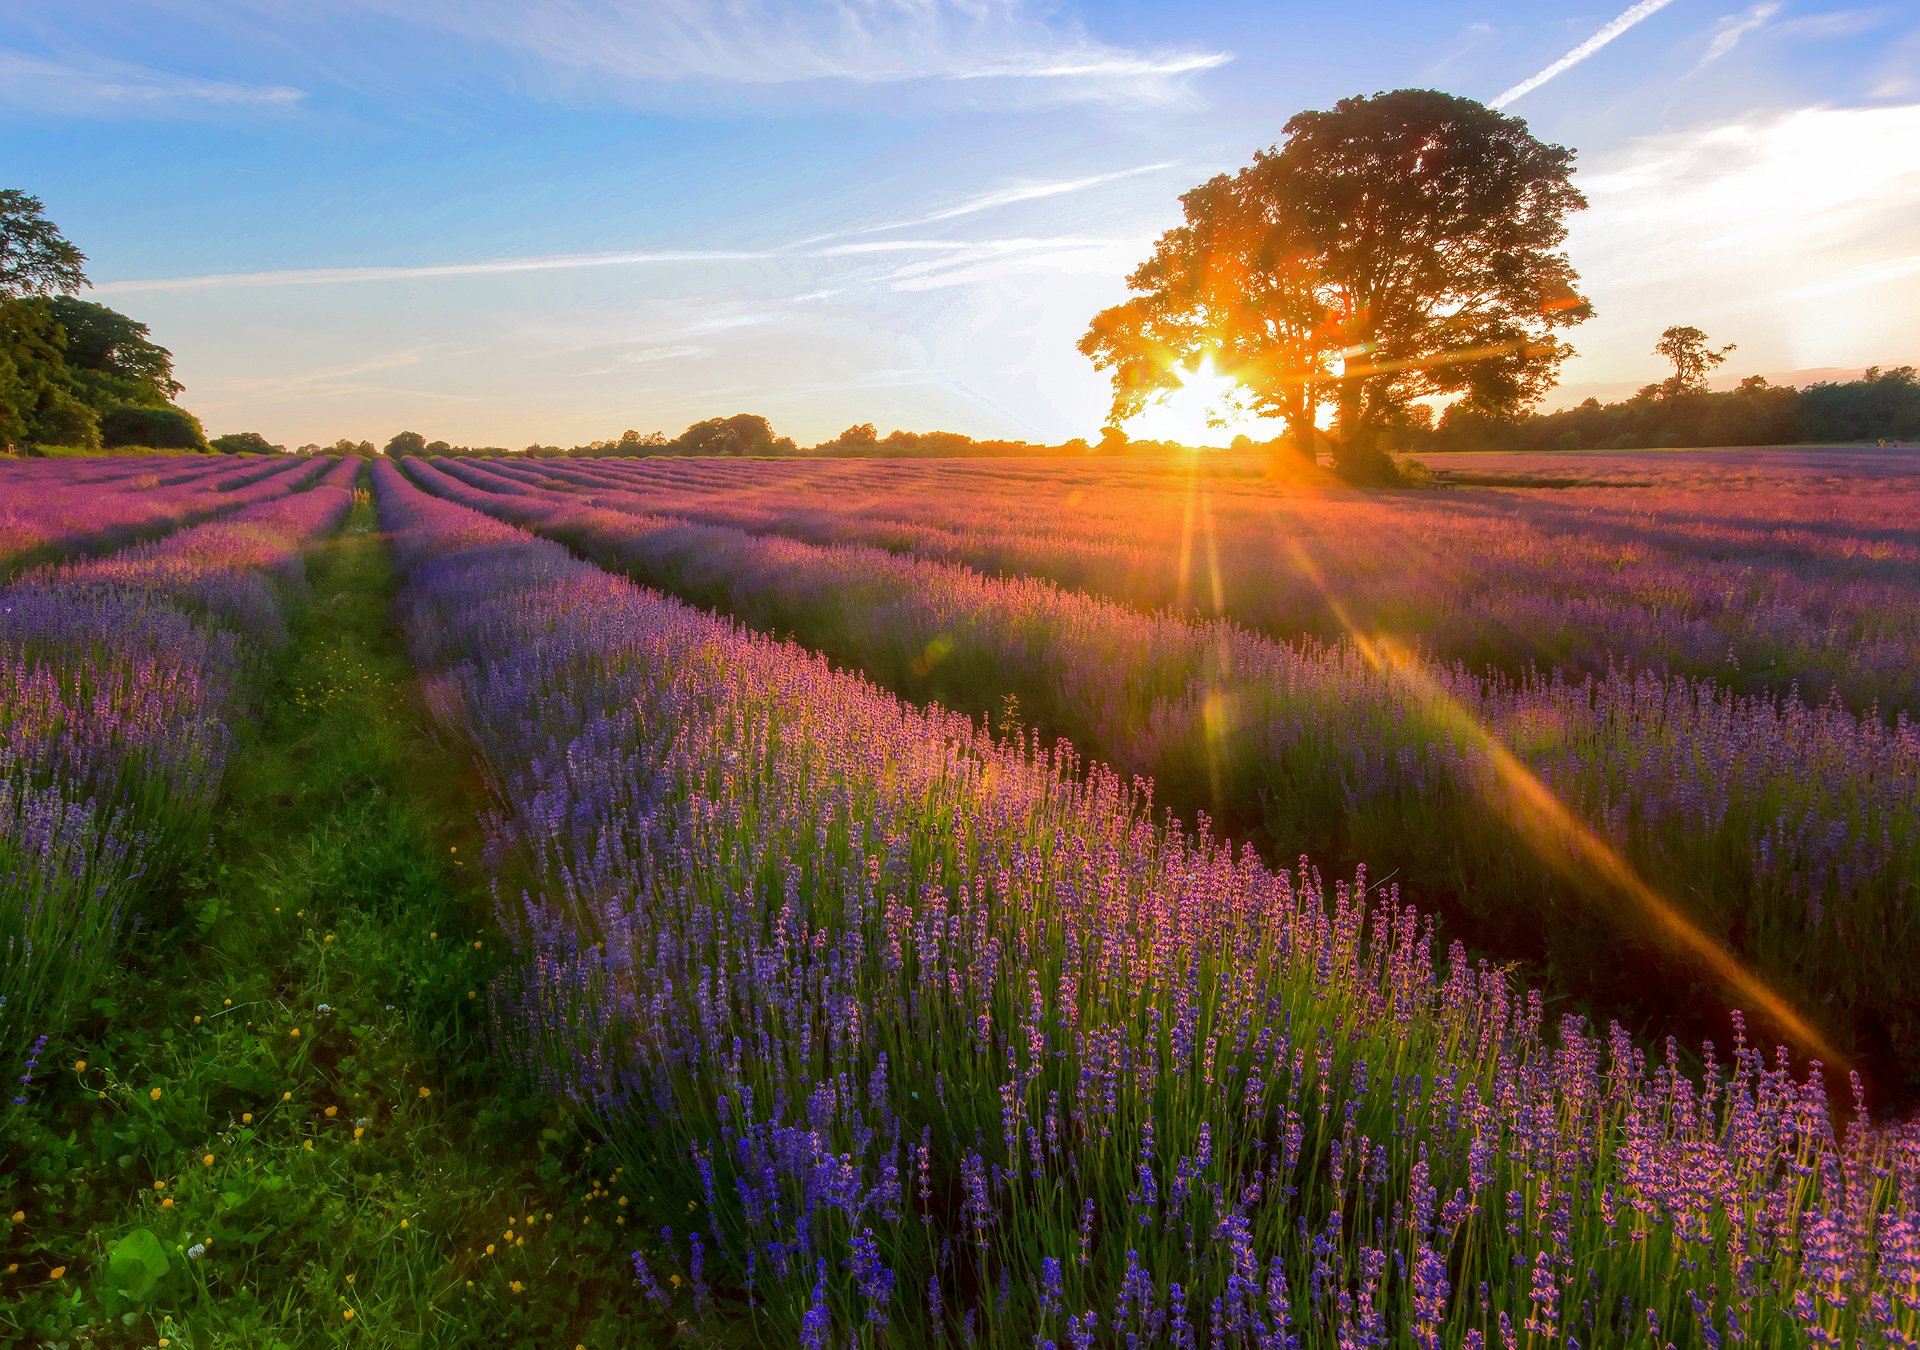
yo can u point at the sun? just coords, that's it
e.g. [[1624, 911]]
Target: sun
[[1207, 410]]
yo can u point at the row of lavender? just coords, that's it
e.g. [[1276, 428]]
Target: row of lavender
[[59, 508], [121, 679], [915, 1035], [1761, 575], [1784, 834]]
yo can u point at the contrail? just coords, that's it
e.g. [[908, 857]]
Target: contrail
[[1593, 44]]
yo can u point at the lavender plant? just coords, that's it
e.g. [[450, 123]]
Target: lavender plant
[[933, 1037], [1784, 833], [121, 681]]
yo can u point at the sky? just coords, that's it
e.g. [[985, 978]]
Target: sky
[[505, 222]]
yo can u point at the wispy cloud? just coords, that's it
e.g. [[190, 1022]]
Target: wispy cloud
[[1011, 196], [989, 260], [333, 276], [1728, 32], [630, 50], [112, 88], [1094, 67], [334, 381], [969, 250], [1618, 25]]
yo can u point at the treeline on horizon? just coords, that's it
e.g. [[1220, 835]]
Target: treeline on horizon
[[1881, 405], [751, 435]]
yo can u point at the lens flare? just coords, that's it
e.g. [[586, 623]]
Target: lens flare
[[1564, 841]]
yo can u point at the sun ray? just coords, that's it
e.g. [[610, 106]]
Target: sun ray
[[1562, 839]]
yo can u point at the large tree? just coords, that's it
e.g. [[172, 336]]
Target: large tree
[[1397, 247]]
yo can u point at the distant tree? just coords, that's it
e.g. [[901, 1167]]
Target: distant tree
[[1686, 346], [343, 446], [35, 258], [406, 443], [311, 448], [631, 442], [246, 443], [741, 434], [1113, 441], [163, 428], [1396, 247], [859, 436]]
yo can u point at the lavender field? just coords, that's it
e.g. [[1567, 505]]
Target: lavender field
[[1025, 903]]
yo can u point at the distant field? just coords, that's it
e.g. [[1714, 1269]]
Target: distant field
[[1019, 901]]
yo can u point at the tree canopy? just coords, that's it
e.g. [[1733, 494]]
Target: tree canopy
[[35, 258], [1396, 247]]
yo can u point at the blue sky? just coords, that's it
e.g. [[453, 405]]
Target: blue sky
[[500, 222]]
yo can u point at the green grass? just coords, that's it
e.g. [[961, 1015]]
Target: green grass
[[298, 1077]]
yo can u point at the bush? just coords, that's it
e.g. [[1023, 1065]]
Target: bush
[[163, 428], [65, 420]]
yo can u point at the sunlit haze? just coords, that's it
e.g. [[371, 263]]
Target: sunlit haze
[[552, 221]]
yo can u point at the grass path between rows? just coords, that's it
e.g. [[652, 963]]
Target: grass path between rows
[[282, 1126]]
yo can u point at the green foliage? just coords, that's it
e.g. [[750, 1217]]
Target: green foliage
[[65, 420], [112, 356], [163, 428], [135, 1266], [35, 258], [246, 443], [406, 443], [32, 368]]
